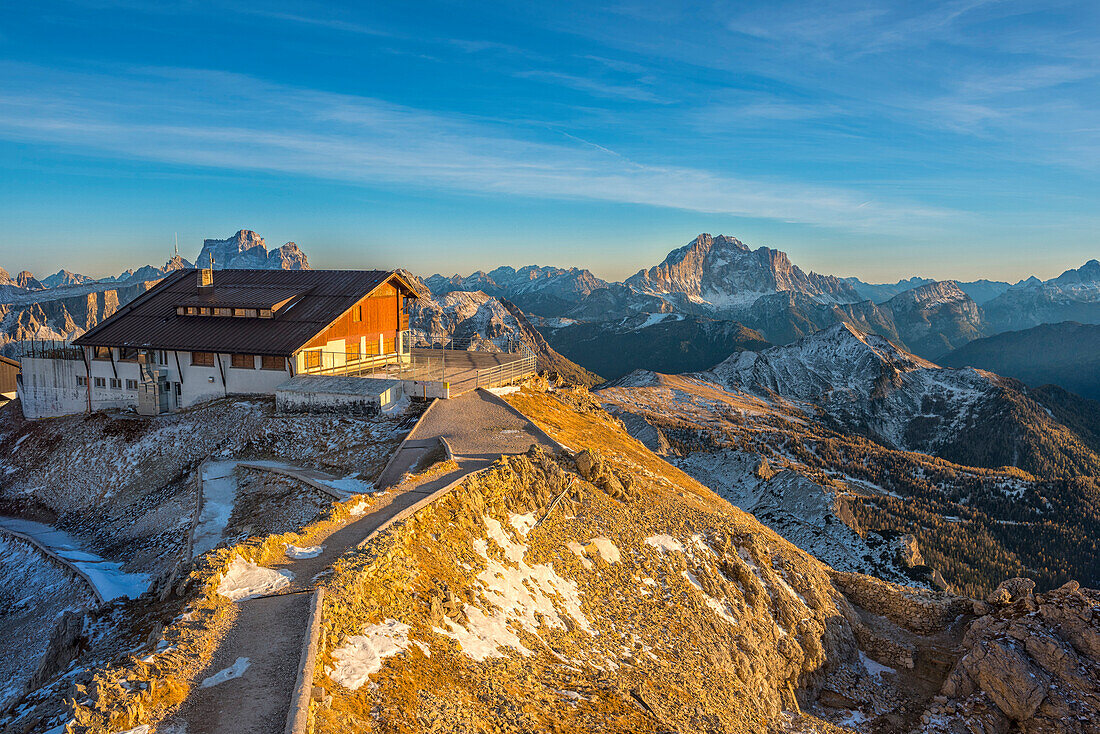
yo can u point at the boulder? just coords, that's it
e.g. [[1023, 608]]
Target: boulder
[[1007, 676], [1011, 590]]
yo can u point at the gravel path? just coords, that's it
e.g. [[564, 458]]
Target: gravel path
[[270, 631]]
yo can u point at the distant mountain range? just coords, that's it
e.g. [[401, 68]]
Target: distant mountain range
[[66, 304], [705, 299], [979, 290], [659, 315]]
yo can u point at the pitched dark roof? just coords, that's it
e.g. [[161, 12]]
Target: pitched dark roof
[[243, 296], [150, 320]]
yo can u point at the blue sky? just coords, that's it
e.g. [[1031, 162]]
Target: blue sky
[[878, 139]]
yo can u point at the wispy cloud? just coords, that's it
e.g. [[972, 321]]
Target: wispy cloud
[[594, 86], [235, 122]]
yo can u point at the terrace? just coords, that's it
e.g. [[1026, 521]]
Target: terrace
[[436, 366]]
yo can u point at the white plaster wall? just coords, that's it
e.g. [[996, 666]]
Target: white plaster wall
[[319, 402], [49, 386], [200, 383]]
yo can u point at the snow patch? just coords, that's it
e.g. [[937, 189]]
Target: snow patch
[[578, 550], [664, 543], [606, 549], [521, 595], [523, 523], [876, 669], [236, 670], [361, 656], [244, 580], [312, 551], [504, 390], [219, 491], [107, 577], [719, 606]]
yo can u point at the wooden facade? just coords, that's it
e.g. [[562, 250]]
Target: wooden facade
[[9, 371], [383, 313]]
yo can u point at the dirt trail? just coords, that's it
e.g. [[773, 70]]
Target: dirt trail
[[269, 631]]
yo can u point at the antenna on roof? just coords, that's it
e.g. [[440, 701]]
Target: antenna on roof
[[177, 235]]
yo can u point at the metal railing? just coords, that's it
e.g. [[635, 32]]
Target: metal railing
[[430, 358], [508, 344], [42, 349], [506, 373]]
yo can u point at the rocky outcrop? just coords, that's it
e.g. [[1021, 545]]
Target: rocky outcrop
[[916, 610], [1030, 665]]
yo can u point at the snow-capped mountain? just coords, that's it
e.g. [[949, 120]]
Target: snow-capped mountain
[[723, 275], [864, 383], [1072, 296], [148, 272], [544, 291], [936, 317]]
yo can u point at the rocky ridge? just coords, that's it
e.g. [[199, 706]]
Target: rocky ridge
[[722, 274], [246, 249]]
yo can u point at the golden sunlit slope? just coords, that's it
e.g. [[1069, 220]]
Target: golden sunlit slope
[[608, 592]]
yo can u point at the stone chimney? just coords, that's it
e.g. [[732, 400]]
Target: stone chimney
[[206, 281]]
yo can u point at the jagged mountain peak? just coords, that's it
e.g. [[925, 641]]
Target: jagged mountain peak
[[702, 246], [723, 275], [246, 249], [65, 277], [26, 279], [542, 290]]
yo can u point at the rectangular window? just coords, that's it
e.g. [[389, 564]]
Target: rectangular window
[[206, 311], [82, 380], [223, 312], [243, 361], [268, 362], [102, 352], [247, 313], [351, 351], [131, 384], [265, 313], [116, 384], [313, 359], [357, 313], [128, 354], [202, 359], [179, 389], [100, 382]]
